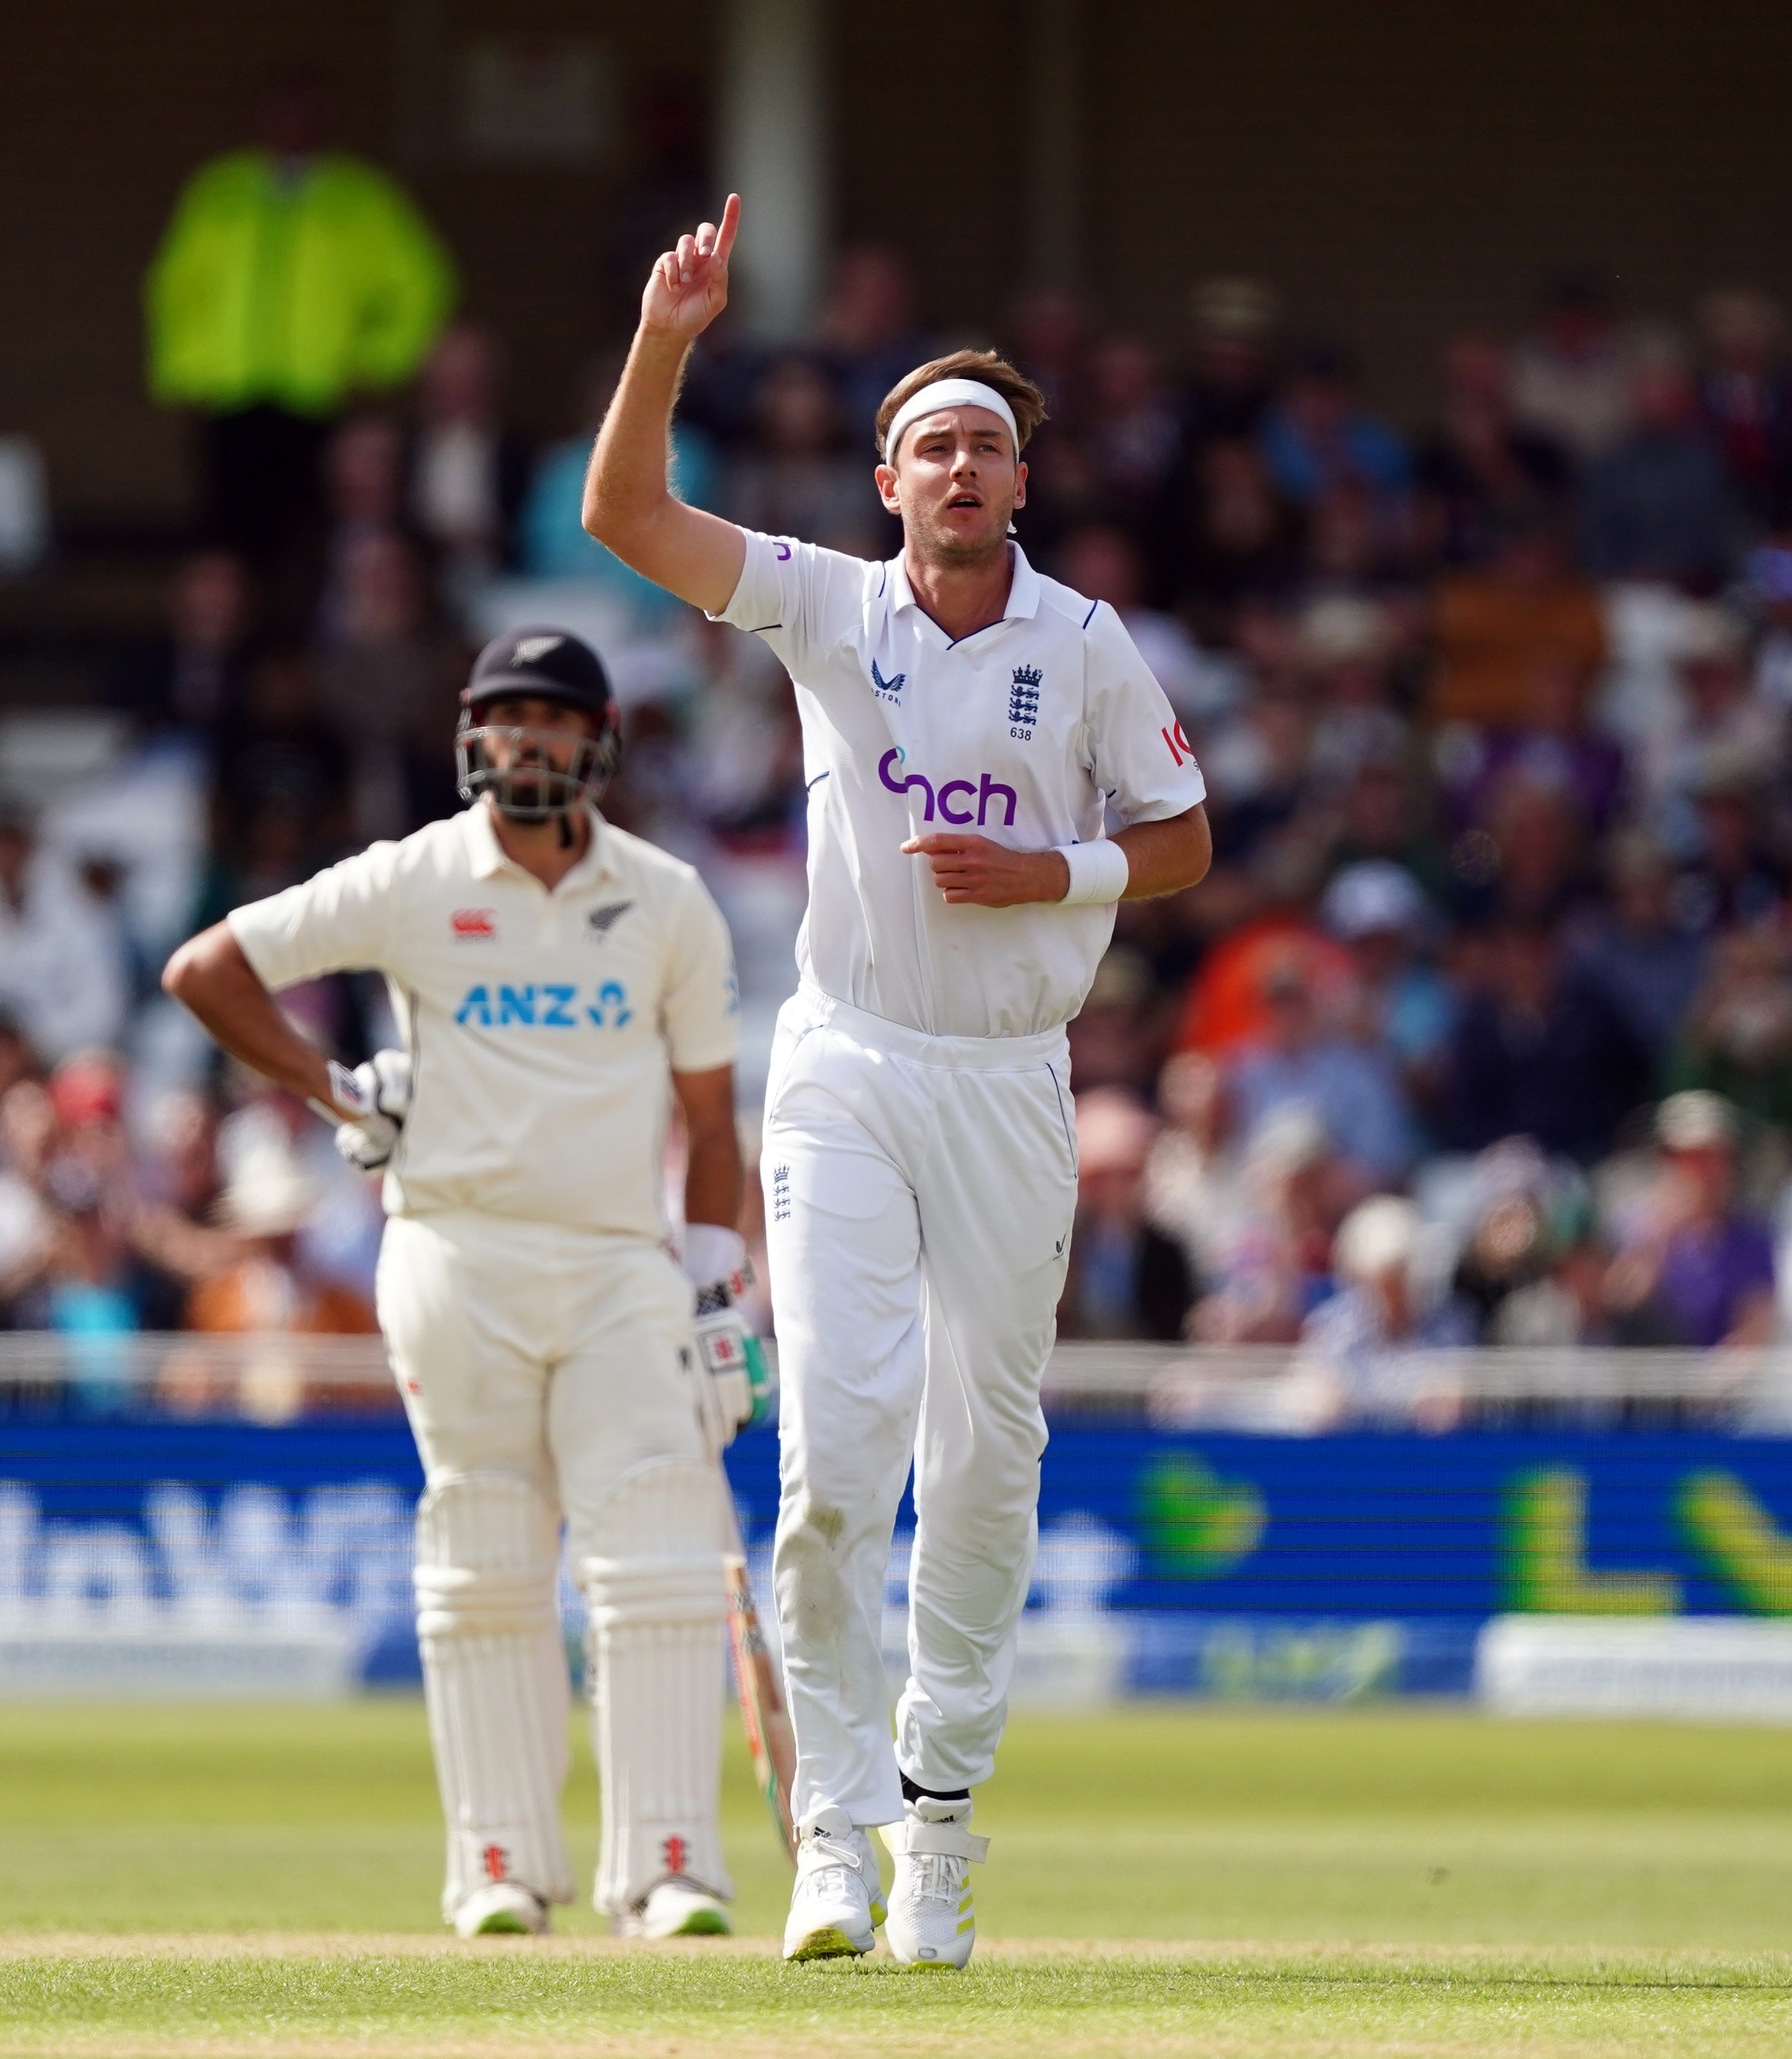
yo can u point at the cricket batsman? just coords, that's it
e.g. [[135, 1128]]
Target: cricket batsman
[[967, 725], [560, 984]]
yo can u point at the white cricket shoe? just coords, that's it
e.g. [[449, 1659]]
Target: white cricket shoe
[[933, 1921], [838, 1902], [503, 1908], [675, 1908]]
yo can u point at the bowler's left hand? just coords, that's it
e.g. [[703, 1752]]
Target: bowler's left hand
[[973, 870]]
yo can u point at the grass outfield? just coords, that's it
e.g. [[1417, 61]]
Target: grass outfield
[[243, 1880]]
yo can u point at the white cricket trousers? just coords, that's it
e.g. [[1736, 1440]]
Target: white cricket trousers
[[547, 1373], [919, 1192]]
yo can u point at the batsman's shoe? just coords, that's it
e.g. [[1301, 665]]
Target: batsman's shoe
[[675, 1908], [503, 1908], [933, 1923], [836, 1905]]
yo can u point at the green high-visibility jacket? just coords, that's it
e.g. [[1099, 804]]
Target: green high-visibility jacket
[[292, 292]]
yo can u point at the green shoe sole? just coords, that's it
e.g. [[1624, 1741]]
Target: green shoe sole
[[828, 1944], [703, 1923]]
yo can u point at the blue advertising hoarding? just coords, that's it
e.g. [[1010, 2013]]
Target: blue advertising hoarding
[[1196, 1562]]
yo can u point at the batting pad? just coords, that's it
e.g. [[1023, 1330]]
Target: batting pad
[[655, 1594], [494, 1678]]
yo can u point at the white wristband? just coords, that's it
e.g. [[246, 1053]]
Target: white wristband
[[712, 1253], [1098, 872]]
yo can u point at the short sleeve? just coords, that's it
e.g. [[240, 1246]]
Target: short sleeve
[[1139, 756], [341, 920], [700, 1013], [803, 601]]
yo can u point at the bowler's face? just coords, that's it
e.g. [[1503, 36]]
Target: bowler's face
[[955, 482]]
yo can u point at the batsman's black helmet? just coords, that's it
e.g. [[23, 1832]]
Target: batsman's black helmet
[[545, 664], [551, 664]]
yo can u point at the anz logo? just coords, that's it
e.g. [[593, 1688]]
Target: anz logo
[[545, 1007], [984, 790]]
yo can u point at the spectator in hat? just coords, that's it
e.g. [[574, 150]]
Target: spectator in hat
[[1528, 1273], [1738, 873], [269, 1199], [1735, 1040], [1695, 1268], [1270, 1255], [1126, 1278], [1712, 717], [1233, 322], [1569, 380], [1401, 1005], [1300, 1059], [1369, 1354]]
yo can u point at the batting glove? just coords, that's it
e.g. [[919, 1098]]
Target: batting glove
[[735, 1383], [379, 1093]]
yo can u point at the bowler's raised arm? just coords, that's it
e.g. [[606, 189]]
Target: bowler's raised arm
[[628, 503]]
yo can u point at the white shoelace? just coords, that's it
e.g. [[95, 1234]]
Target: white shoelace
[[942, 1877], [839, 1859]]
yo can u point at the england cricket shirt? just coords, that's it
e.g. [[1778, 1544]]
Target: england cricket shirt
[[1024, 731], [543, 1027]]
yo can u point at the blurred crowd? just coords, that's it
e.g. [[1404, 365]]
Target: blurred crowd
[[1481, 1030]]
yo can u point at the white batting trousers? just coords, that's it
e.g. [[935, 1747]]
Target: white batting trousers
[[544, 1373], [919, 1193]]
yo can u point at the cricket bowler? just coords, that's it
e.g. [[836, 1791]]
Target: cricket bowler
[[967, 726], [559, 984]]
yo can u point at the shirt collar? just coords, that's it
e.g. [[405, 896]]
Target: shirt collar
[[489, 858], [1023, 589]]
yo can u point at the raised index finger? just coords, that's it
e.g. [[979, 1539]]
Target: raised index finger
[[730, 222]]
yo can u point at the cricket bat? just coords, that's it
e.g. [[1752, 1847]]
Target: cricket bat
[[767, 1722]]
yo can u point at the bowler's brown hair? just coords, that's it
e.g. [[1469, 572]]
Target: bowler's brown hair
[[991, 367]]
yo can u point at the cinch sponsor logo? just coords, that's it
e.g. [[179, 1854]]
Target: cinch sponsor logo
[[474, 923], [983, 793], [545, 1007]]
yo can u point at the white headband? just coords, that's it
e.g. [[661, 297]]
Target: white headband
[[949, 393]]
